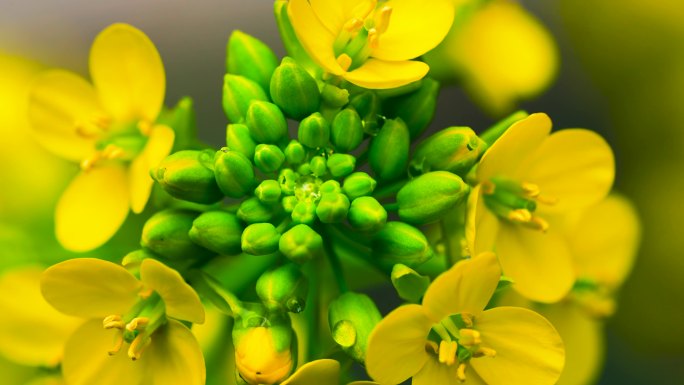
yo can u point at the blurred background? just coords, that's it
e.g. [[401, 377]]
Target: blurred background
[[620, 72]]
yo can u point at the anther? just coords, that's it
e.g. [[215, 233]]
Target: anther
[[469, 337], [345, 61], [467, 319], [382, 19], [460, 372], [113, 322], [353, 25], [520, 215], [87, 164], [447, 352], [138, 346], [537, 223], [145, 127], [118, 343], [484, 352], [137, 323], [547, 200], [530, 189], [373, 36]]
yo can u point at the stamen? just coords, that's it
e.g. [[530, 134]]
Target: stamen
[[469, 337], [520, 215], [87, 164], [460, 372], [137, 323], [467, 319], [447, 352], [484, 352], [345, 61], [118, 343], [112, 152], [138, 346], [382, 19], [364, 12], [538, 223], [145, 127], [353, 25], [373, 37], [113, 322], [530, 189], [547, 200]]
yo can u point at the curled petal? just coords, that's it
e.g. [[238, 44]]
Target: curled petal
[[380, 74], [314, 36], [315, 372], [181, 301]]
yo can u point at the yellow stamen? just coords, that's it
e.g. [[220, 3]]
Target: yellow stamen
[[520, 215], [547, 200], [364, 12], [538, 223], [469, 337], [447, 352], [113, 322], [344, 61], [137, 323], [138, 346], [87, 164], [467, 319], [145, 127], [112, 152], [118, 343], [373, 36], [460, 372], [353, 25], [484, 352], [530, 189], [382, 19]]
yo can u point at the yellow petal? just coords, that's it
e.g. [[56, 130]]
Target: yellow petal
[[60, 101], [576, 166], [396, 347], [158, 146], [528, 349], [414, 28], [174, 357], [380, 74], [334, 14], [314, 36], [31, 331], [539, 263], [128, 73], [92, 208], [465, 288], [181, 300], [514, 146], [316, 372], [86, 361], [433, 372], [481, 225], [89, 288], [605, 241]]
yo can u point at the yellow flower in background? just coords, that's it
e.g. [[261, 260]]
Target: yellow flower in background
[[371, 43], [451, 339], [258, 359], [109, 127], [527, 179], [141, 313], [319, 372]]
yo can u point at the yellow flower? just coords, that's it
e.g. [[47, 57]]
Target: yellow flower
[[451, 339], [141, 313], [109, 127], [528, 179], [319, 372], [371, 43], [258, 359]]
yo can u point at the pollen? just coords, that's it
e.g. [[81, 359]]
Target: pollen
[[138, 345], [469, 337], [382, 19], [137, 323], [484, 352], [345, 61], [447, 352], [460, 372]]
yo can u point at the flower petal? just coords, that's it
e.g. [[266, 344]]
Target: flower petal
[[514, 146], [92, 208], [158, 146], [414, 28], [58, 102], [576, 166], [128, 73], [334, 14], [89, 288], [539, 263], [86, 361], [316, 372], [481, 225], [433, 372], [528, 348], [174, 357], [380, 74], [396, 347], [314, 36], [181, 300], [465, 288]]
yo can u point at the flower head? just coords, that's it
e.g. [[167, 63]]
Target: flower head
[[371, 43], [109, 128]]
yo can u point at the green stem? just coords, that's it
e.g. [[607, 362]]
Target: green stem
[[389, 190], [391, 206], [336, 267]]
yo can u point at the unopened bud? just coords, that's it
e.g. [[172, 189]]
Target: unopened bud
[[318, 166], [288, 181], [340, 165], [166, 233], [250, 57], [268, 191], [304, 212], [253, 210], [266, 122], [358, 184], [268, 158], [332, 208], [238, 93], [367, 214], [352, 317], [294, 152], [294, 90], [260, 239], [330, 186], [189, 175], [417, 108], [234, 173], [218, 231], [398, 242], [314, 131], [263, 353], [284, 288], [428, 197], [301, 244], [455, 149], [239, 139], [389, 150], [347, 130]]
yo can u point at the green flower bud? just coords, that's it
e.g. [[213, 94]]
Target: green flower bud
[[314, 131], [234, 173], [288, 181], [268, 191], [341, 164], [318, 166], [367, 214], [358, 184], [333, 96], [417, 108], [283, 289], [268, 157], [238, 93], [352, 317], [218, 231], [330, 186], [239, 139], [428, 197], [260, 239], [409, 284], [289, 203], [304, 212], [294, 152], [347, 130], [304, 169], [253, 210], [455, 149], [266, 122], [166, 233], [301, 244], [389, 150], [294, 90], [251, 58], [399, 242], [367, 105], [332, 208], [189, 175]]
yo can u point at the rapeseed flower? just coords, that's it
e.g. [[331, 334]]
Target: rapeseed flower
[[324, 371]]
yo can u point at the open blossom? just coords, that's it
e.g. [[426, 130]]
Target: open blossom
[[109, 128]]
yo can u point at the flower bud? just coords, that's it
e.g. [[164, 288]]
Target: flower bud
[[409, 284], [294, 90], [318, 166], [367, 105], [253, 210], [341, 164], [239, 139], [417, 108], [333, 96], [266, 122], [268, 191], [263, 354], [218, 231], [234, 173], [166, 233], [250, 57], [294, 152], [367, 214], [332, 208], [330, 186], [455, 149], [283, 289], [301, 244], [304, 212], [314, 131], [389, 150], [347, 130], [428, 197], [189, 175], [288, 181], [238, 93], [399, 242], [268, 158], [358, 184], [289, 203], [260, 239], [304, 169], [352, 317]]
